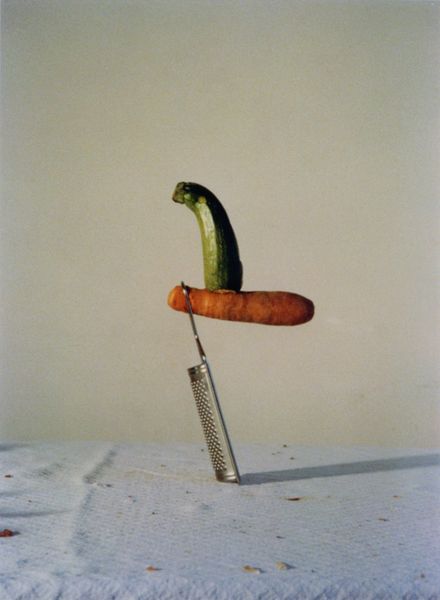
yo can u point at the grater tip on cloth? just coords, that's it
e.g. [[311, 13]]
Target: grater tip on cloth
[[208, 407]]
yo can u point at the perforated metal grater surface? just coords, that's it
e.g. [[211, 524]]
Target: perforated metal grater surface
[[202, 394], [211, 418]]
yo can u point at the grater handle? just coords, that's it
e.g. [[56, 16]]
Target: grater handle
[[193, 323]]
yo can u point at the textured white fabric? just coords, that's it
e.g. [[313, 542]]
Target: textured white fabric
[[89, 518]]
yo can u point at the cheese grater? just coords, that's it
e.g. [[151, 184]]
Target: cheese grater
[[208, 407]]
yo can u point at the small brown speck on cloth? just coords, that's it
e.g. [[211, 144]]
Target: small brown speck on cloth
[[7, 533], [249, 569]]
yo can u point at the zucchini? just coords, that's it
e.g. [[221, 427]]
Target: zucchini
[[221, 260]]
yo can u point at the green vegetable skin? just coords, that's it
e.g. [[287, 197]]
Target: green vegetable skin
[[221, 260]]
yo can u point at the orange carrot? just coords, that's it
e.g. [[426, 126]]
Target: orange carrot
[[269, 308]]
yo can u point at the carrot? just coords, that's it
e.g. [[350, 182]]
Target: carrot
[[268, 308]]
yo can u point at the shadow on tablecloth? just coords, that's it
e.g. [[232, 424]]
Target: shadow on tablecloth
[[353, 468]]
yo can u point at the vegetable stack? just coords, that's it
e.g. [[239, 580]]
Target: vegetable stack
[[223, 272]]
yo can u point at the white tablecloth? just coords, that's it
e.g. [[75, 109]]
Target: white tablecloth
[[149, 521]]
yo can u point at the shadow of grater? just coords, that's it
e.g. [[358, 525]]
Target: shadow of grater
[[208, 407]]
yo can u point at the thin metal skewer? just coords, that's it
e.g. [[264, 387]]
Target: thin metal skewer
[[193, 323]]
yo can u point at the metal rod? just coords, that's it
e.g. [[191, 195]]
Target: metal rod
[[193, 323]]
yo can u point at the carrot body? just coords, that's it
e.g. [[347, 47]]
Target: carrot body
[[268, 308]]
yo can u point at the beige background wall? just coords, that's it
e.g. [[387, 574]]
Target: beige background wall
[[316, 123]]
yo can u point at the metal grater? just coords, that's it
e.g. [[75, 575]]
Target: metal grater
[[208, 407]]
